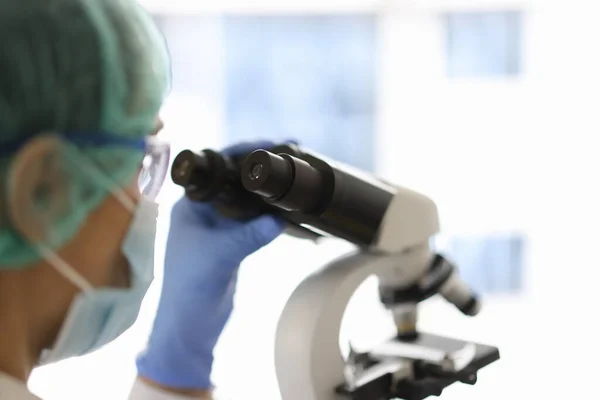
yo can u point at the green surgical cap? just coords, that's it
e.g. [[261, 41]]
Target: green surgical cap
[[83, 66]]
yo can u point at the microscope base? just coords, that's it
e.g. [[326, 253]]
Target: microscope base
[[414, 371]]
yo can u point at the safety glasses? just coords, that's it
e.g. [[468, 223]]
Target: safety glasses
[[155, 165]]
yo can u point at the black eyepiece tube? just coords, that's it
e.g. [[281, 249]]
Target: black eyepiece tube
[[190, 168], [318, 193], [286, 181], [209, 176], [267, 174], [300, 187]]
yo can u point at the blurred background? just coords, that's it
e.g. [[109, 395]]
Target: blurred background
[[487, 106]]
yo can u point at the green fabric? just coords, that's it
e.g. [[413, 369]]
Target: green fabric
[[77, 66]]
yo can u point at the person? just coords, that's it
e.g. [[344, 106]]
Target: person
[[81, 86]]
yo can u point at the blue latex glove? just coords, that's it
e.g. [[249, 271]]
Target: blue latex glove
[[203, 253]]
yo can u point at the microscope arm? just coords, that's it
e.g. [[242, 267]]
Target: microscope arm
[[308, 360]]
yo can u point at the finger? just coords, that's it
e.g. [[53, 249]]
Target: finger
[[247, 147], [186, 211], [260, 231]]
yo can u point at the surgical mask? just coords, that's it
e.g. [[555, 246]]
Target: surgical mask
[[97, 316]]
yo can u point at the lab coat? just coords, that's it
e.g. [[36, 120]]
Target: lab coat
[[13, 389]]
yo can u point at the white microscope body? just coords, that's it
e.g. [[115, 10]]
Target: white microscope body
[[308, 359]]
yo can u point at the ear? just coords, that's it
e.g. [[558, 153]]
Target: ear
[[37, 188]]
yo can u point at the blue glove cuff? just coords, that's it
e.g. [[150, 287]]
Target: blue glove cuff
[[186, 377]]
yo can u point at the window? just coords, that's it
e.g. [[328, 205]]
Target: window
[[483, 44], [307, 78], [490, 264]]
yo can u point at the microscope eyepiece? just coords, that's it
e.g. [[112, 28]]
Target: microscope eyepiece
[[288, 182], [267, 174], [190, 168], [204, 175], [303, 188]]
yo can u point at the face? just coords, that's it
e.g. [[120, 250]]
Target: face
[[95, 253], [105, 265], [120, 275]]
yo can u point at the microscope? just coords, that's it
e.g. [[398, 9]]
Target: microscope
[[391, 228]]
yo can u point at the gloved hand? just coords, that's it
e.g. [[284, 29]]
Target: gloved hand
[[203, 253]]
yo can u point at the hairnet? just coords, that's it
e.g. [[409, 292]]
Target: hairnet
[[77, 66]]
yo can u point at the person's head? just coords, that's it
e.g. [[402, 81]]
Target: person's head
[[81, 85]]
